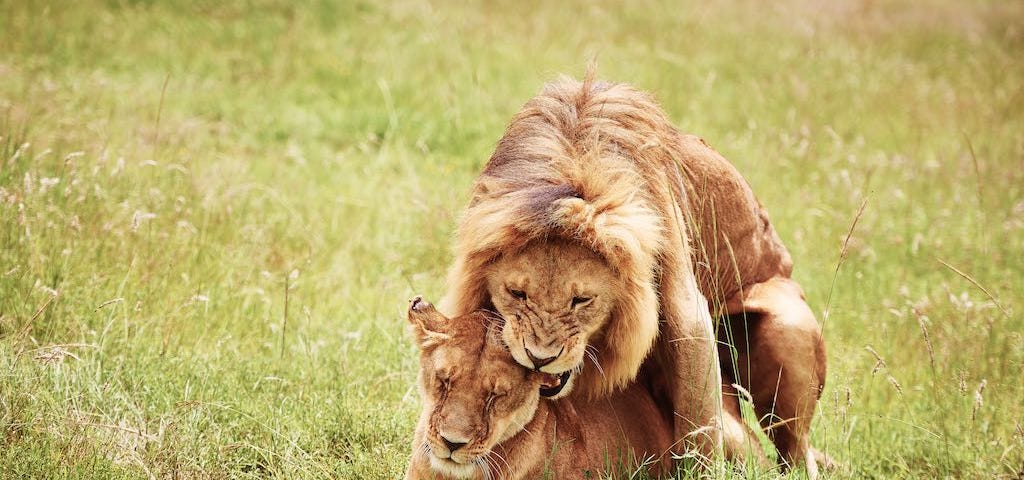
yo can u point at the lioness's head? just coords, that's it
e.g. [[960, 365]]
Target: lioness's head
[[554, 295], [477, 396]]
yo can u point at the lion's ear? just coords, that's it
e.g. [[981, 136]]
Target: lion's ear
[[427, 324]]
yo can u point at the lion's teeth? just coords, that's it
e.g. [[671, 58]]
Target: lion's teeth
[[551, 381]]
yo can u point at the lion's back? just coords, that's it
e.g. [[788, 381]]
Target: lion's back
[[577, 138], [733, 241]]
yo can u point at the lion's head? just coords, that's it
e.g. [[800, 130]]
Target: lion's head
[[476, 394], [554, 295], [566, 230]]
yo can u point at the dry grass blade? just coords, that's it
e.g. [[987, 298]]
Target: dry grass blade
[[40, 310], [896, 384], [122, 428], [842, 258], [159, 113], [54, 355], [978, 399], [927, 339], [879, 362], [977, 171], [743, 393], [976, 284], [109, 302]]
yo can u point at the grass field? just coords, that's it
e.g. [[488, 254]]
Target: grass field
[[211, 215]]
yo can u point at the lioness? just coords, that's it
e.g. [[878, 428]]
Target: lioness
[[483, 418], [599, 232]]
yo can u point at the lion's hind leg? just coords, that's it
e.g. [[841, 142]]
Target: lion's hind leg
[[780, 359]]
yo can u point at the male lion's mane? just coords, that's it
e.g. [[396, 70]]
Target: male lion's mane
[[596, 163]]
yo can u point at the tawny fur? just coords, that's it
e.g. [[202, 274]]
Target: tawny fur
[[517, 436], [601, 166]]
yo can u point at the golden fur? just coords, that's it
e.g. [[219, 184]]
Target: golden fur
[[570, 312], [586, 163], [668, 223], [475, 393]]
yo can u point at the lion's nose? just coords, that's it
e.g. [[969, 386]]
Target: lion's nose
[[452, 446], [539, 362]]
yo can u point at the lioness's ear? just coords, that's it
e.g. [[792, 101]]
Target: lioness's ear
[[428, 325]]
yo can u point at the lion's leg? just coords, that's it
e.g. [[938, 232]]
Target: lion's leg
[[689, 362], [781, 361]]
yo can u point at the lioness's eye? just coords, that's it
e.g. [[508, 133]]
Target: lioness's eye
[[577, 301], [517, 293]]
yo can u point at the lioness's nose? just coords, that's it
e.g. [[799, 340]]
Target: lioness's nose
[[452, 446], [539, 362]]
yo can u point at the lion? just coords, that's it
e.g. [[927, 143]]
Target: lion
[[600, 232], [483, 416]]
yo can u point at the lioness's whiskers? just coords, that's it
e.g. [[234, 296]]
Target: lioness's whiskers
[[482, 464], [507, 468], [493, 467], [493, 470], [423, 450]]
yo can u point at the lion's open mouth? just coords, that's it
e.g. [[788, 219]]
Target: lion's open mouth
[[553, 384]]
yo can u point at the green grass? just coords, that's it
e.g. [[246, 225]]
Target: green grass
[[211, 215]]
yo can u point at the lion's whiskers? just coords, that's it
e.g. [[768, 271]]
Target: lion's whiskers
[[591, 352]]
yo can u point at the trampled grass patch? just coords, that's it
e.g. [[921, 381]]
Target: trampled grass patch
[[211, 215]]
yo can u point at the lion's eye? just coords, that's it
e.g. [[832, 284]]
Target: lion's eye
[[580, 301], [444, 380], [521, 295]]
